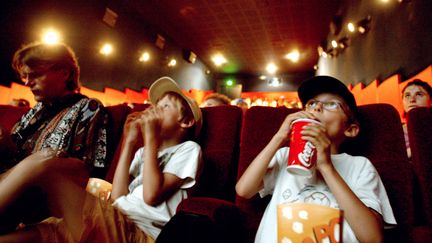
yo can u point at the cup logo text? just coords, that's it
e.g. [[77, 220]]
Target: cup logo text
[[305, 157]]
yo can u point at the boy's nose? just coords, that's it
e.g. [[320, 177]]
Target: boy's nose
[[318, 107]]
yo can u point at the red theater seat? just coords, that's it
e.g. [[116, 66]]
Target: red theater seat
[[118, 114], [219, 140], [381, 140], [259, 126], [419, 122], [9, 115]]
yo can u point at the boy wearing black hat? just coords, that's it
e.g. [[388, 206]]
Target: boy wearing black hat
[[340, 180]]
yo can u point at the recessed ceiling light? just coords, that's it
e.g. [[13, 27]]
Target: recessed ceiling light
[[271, 68]]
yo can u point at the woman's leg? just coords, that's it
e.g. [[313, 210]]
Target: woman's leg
[[28, 234], [63, 180]]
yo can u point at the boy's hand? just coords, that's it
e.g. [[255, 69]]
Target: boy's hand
[[317, 135], [132, 128], [284, 131], [151, 123]]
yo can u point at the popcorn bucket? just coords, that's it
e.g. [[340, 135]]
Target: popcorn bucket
[[306, 222]]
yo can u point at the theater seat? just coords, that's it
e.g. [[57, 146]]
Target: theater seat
[[381, 140], [9, 115], [219, 141], [259, 126], [419, 122], [214, 194], [118, 114]]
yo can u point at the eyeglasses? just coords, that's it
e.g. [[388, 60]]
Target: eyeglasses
[[330, 105]]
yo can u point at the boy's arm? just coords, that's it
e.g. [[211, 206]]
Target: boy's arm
[[121, 176], [365, 222], [157, 186], [252, 179]]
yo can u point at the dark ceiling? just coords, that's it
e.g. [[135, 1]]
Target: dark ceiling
[[249, 33]]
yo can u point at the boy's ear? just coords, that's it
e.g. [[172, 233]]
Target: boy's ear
[[352, 130], [187, 124]]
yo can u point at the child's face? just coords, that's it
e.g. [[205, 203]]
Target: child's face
[[331, 111], [170, 114], [415, 96]]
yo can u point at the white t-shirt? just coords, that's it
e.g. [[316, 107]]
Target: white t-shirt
[[357, 171], [182, 160]]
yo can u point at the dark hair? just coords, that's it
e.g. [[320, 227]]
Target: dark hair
[[420, 83], [60, 56]]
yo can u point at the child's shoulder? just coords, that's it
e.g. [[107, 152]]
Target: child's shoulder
[[353, 161], [185, 146]]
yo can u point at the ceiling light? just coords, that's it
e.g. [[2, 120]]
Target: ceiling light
[[218, 59], [172, 63], [50, 36], [262, 77], [343, 42], [271, 68], [106, 49], [364, 25], [351, 27], [334, 43], [293, 56], [144, 57]]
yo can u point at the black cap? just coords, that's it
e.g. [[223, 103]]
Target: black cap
[[326, 84]]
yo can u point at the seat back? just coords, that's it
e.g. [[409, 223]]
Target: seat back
[[9, 115], [122, 112], [219, 141], [259, 125], [118, 114], [419, 122], [381, 140]]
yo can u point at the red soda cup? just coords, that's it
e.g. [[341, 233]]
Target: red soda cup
[[302, 154]]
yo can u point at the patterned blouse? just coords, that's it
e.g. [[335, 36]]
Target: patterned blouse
[[75, 125]]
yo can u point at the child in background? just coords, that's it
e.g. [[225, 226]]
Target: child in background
[[162, 171], [416, 93], [216, 99], [339, 181]]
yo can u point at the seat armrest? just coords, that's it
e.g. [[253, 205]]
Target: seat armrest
[[227, 219], [215, 209]]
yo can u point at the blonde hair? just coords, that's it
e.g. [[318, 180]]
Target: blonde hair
[[59, 56], [221, 97]]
